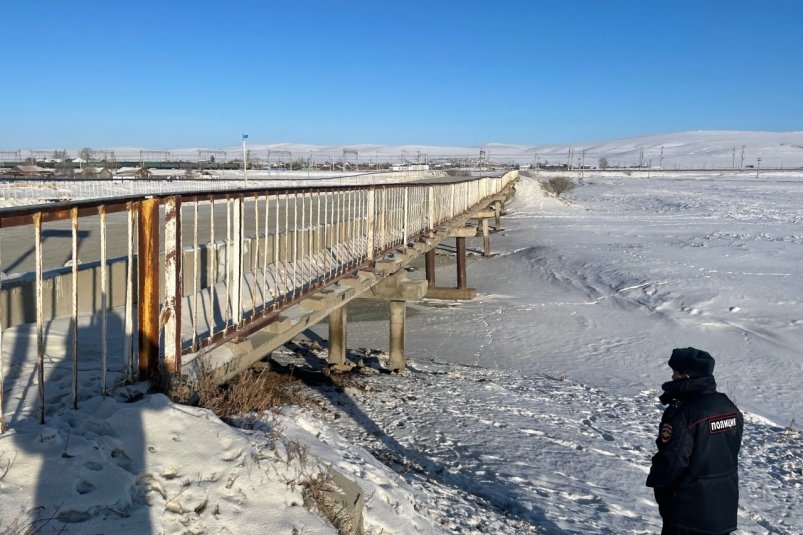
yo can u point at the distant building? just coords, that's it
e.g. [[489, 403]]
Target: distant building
[[410, 167], [132, 172], [100, 173], [32, 171]]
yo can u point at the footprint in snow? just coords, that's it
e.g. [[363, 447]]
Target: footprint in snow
[[73, 517], [122, 460], [92, 465], [84, 487]]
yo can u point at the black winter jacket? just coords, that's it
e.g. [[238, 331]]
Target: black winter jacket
[[694, 473]]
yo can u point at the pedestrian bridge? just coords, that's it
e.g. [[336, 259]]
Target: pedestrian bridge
[[99, 292]]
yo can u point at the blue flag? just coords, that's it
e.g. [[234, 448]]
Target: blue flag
[[245, 136]]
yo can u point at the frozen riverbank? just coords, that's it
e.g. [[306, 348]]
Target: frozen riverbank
[[530, 409]]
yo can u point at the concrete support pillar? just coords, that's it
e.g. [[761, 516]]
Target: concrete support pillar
[[429, 264], [337, 336], [461, 263], [398, 316], [498, 215], [486, 238]]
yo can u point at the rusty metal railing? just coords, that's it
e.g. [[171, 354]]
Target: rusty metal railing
[[29, 190], [177, 273]]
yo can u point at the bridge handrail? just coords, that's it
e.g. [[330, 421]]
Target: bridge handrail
[[280, 244]]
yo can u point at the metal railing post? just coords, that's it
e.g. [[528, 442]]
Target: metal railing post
[[40, 340], [213, 267], [74, 303], [148, 294], [237, 266], [173, 284], [431, 210], [195, 285], [369, 248], [2, 364], [104, 270], [129, 294], [405, 229]]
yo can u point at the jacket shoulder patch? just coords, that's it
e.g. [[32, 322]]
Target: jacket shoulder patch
[[666, 432], [722, 423]]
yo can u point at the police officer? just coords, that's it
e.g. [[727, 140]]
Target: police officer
[[694, 474]]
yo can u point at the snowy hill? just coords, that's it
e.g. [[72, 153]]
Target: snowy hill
[[695, 149]]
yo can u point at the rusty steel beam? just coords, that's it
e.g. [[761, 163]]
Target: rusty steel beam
[[15, 217], [148, 295]]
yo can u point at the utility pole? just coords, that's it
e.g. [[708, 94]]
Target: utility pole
[[733, 161], [245, 161], [641, 158], [758, 166], [583, 164], [741, 161], [661, 160]]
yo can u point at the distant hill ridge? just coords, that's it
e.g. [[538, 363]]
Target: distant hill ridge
[[696, 149]]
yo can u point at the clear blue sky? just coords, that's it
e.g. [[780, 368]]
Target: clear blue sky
[[175, 73]]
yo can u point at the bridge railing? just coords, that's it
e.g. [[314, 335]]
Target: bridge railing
[[167, 275], [33, 190]]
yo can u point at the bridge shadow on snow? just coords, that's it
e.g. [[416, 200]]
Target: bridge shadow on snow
[[407, 461]]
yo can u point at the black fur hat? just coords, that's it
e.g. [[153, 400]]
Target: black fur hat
[[693, 362]]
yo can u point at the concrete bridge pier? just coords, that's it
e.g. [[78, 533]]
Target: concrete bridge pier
[[429, 267], [337, 337], [498, 207], [482, 218], [460, 247], [461, 292], [398, 318], [398, 290], [486, 238]]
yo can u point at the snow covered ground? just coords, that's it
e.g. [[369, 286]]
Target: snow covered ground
[[597, 290], [532, 409]]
